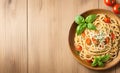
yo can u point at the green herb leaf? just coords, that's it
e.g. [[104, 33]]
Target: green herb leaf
[[80, 28], [83, 23], [90, 18], [94, 64], [79, 19], [100, 58], [95, 61], [91, 26], [100, 63], [105, 58]]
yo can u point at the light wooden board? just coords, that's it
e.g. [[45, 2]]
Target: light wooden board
[[13, 36], [34, 35]]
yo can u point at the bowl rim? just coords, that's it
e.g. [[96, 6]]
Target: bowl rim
[[80, 62]]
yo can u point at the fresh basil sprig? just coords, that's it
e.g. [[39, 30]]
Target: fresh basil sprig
[[90, 18], [94, 63], [85, 23], [79, 19], [80, 28], [100, 60], [105, 58], [91, 26]]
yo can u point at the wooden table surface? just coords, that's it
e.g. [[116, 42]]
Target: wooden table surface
[[34, 35]]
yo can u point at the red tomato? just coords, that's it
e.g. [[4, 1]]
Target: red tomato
[[116, 9], [88, 41], [109, 2], [78, 48], [83, 34], [107, 20], [95, 41], [112, 36], [107, 40], [89, 61]]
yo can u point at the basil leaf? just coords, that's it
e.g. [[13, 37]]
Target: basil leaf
[[100, 63], [80, 28], [90, 18], [105, 58], [100, 58], [91, 26], [79, 19], [94, 64], [95, 61]]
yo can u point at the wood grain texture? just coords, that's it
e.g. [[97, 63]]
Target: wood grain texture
[[48, 51], [13, 41], [34, 35]]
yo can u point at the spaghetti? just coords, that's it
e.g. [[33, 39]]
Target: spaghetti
[[99, 42]]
